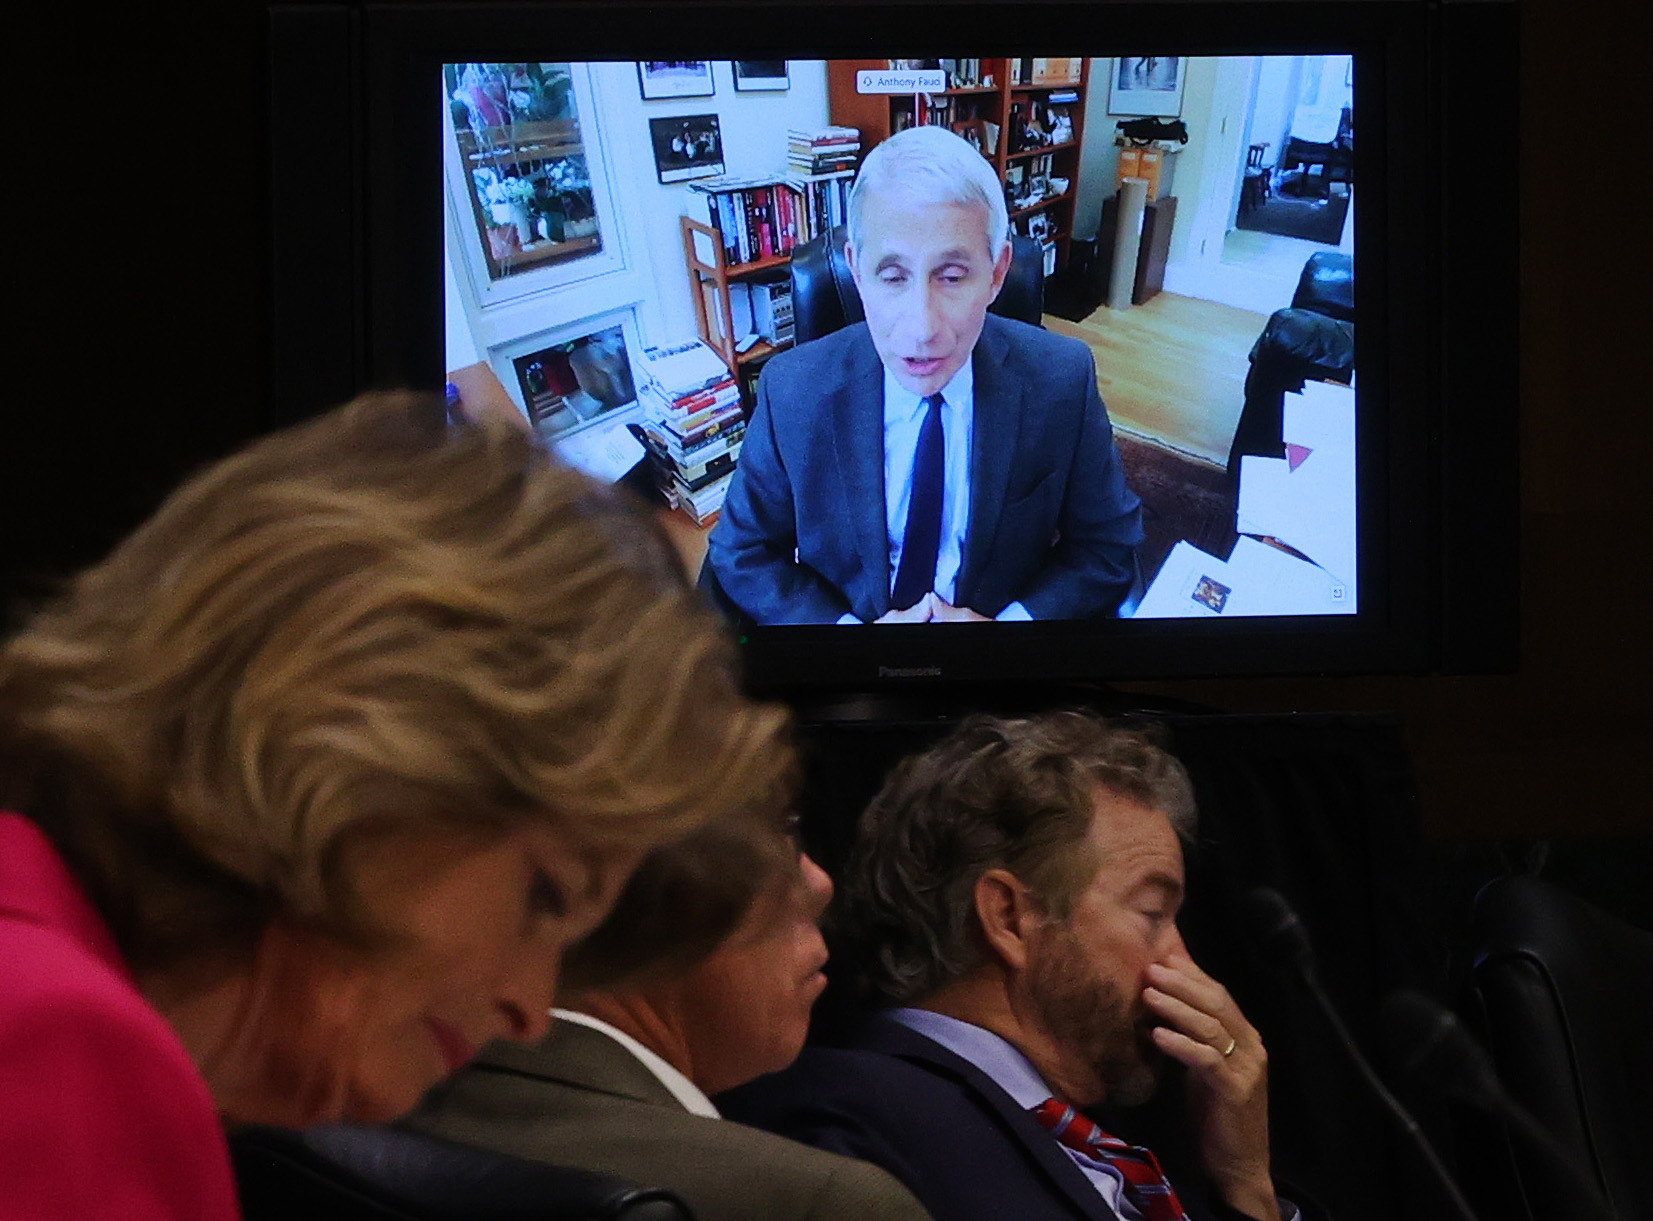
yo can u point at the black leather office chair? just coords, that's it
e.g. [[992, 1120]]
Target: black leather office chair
[[1314, 337], [345, 1173], [1561, 995], [824, 298]]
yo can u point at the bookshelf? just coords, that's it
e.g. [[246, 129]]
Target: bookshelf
[[992, 103], [712, 277]]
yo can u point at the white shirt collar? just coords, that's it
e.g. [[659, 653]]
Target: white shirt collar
[[958, 392], [692, 1097]]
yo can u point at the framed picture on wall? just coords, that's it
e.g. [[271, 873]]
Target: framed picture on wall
[[754, 75], [1147, 85], [675, 78], [686, 147]]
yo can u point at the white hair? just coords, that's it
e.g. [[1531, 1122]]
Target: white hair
[[931, 165]]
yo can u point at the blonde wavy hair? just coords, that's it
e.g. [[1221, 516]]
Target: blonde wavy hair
[[372, 623]]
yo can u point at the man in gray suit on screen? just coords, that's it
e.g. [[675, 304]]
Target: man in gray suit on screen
[[935, 462]]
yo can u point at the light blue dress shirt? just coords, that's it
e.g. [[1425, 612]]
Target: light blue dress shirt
[[1012, 1073]]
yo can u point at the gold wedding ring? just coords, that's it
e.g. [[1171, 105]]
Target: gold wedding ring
[[1232, 1044]]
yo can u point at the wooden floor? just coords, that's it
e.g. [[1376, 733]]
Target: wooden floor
[[1173, 369]]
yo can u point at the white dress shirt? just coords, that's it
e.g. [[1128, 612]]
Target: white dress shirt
[[692, 1097]]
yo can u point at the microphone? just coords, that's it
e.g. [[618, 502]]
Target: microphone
[[1431, 1043], [1277, 926]]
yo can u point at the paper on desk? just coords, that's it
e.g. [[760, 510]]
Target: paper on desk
[[1256, 579], [606, 450], [1308, 500]]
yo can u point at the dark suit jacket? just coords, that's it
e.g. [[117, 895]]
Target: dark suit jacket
[[581, 1099], [803, 536], [939, 1124]]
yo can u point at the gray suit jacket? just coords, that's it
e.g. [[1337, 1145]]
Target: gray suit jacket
[[803, 536], [581, 1099]]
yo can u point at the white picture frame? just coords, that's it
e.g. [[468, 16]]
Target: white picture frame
[[1147, 86]]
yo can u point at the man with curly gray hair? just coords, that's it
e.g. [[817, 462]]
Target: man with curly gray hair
[[1011, 907]]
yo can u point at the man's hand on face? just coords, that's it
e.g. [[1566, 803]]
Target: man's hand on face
[[1227, 1093], [921, 611], [945, 612]]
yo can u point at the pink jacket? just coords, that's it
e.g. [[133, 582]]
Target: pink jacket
[[102, 1111]]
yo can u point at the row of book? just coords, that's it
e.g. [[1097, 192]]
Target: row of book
[[765, 217], [824, 199], [756, 218], [692, 426]]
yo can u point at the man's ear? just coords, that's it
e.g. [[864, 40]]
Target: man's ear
[[1008, 916], [849, 257], [1001, 267]]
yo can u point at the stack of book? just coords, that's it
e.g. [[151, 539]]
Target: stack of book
[[692, 427], [825, 150], [820, 167], [756, 218]]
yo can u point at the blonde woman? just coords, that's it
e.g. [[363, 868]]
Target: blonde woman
[[312, 781]]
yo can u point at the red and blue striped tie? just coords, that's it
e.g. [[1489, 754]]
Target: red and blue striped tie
[[1146, 1186]]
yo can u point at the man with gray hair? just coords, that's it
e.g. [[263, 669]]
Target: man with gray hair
[[935, 462], [1011, 904]]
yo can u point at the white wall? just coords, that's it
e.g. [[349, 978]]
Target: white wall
[[1275, 98], [754, 127], [649, 277]]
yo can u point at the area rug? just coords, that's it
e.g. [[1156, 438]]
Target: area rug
[[1314, 220], [1183, 497]]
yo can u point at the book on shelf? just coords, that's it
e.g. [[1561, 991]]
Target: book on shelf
[[823, 201], [772, 311], [754, 216], [962, 73]]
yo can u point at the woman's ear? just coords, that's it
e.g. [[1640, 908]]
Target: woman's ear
[[1008, 916]]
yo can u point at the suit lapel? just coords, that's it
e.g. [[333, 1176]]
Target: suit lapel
[[857, 408], [892, 1038], [579, 1056], [994, 435]]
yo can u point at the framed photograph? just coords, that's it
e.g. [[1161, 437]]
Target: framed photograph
[[1147, 85], [686, 147], [570, 384], [753, 75], [675, 78]]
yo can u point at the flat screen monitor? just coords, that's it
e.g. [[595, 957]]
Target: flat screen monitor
[[949, 343]]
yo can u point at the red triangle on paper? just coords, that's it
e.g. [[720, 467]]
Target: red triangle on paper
[[1295, 455]]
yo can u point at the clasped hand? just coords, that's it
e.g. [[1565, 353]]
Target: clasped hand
[[933, 608]]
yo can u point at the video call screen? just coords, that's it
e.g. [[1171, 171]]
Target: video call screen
[[1153, 417]]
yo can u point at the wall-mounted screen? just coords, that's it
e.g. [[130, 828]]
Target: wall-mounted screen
[[932, 340]]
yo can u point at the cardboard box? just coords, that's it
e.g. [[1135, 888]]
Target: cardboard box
[[1056, 71]]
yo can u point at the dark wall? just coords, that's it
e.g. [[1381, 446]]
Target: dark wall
[[137, 156]]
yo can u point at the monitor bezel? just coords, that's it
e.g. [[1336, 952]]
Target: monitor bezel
[[1429, 488]]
